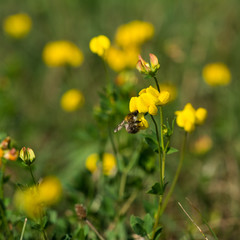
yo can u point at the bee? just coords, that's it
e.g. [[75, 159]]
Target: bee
[[130, 122]]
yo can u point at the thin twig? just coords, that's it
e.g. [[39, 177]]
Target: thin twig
[[23, 229], [199, 229], [94, 229], [204, 220]]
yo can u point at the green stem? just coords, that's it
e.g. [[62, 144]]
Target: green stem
[[1, 180], [156, 81], [23, 229], [162, 143], [30, 169], [44, 235], [176, 175], [159, 149]]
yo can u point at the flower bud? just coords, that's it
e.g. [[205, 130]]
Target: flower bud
[[27, 155], [154, 62]]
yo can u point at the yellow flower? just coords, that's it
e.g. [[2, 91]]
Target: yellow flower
[[62, 53], [91, 162], [17, 25], [72, 100], [34, 200], [50, 190], [120, 60], [108, 164], [216, 74], [201, 115], [99, 45], [134, 33], [148, 100], [189, 117]]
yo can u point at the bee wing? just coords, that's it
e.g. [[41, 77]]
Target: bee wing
[[120, 126]]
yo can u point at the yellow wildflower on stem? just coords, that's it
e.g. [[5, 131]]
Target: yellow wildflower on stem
[[62, 53], [188, 118], [99, 45], [72, 100], [216, 74], [17, 25]]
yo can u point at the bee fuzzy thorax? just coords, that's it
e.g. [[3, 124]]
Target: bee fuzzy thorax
[[131, 123]]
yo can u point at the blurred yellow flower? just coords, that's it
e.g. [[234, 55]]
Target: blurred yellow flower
[[34, 200], [134, 33], [202, 145], [216, 74], [99, 45], [61, 53], [148, 100], [108, 164], [91, 162], [72, 100], [189, 117], [17, 25], [120, 60]]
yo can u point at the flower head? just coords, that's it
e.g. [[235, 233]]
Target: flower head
[[72, 100], [134, 33], [99, 45], [17, 25], [61, 53], [34, 200], [216, 74], [188, 118], [148, 100]]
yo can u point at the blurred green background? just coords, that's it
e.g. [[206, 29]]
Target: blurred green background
[[188, 35]]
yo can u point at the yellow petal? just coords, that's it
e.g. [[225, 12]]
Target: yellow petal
[[153, 110], [164, 97], [133, 104], [201, 114]]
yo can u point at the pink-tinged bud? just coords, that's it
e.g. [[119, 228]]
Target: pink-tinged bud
[[146, 65], [140, 67], [154, 61]]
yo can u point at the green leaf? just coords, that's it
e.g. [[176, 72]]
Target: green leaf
[[137, 225], [152, 143], [148, 223], [157, 233], [171, 150], [156, 189]]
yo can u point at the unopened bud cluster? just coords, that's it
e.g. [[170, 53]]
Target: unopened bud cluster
[[148, 68], [27, 155]]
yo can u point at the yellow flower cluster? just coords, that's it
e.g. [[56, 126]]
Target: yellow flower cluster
[[134, 34], [72, 100], [61, 53], [108, 165], [216, 74], [17, 25], [188, 118], [34, 200], [123, 54], [99, 45], [148, 100]]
